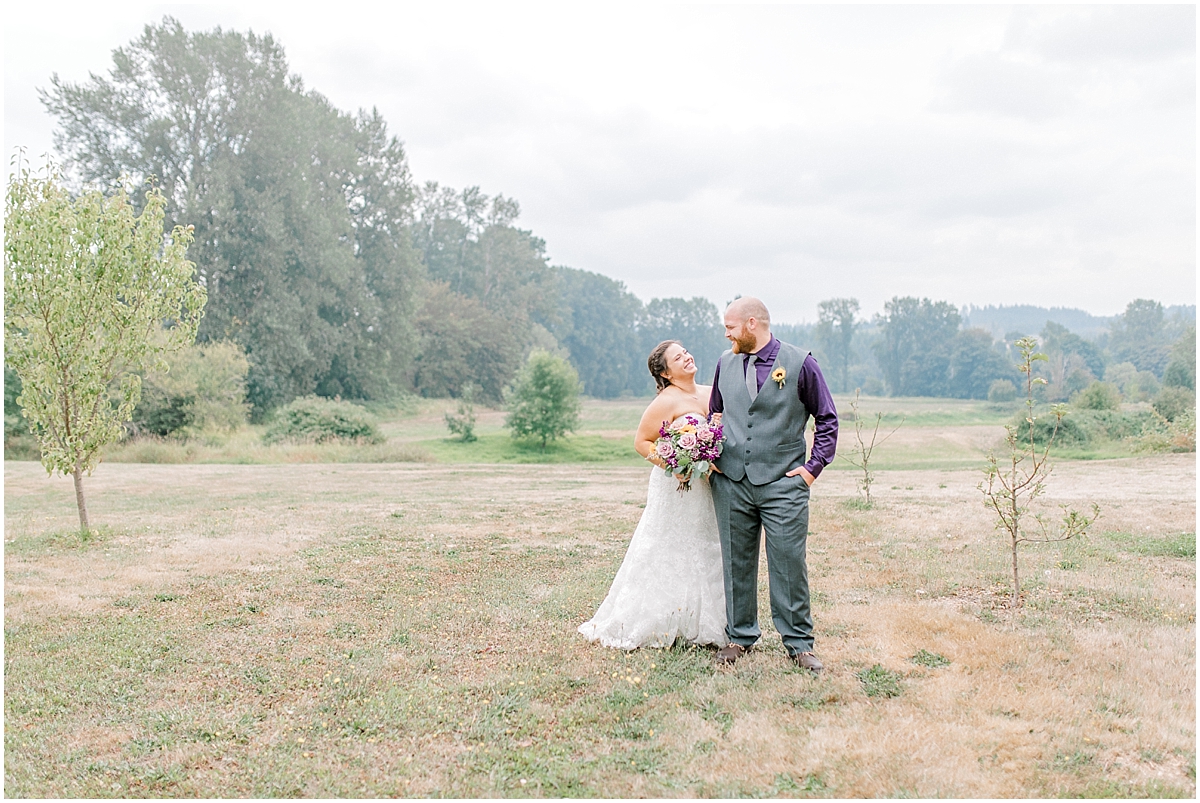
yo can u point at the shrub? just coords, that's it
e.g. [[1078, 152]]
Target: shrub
[[1173, 403], [1098, 396], [543, 401], [313, 419], [1002, 390], [462, 424], [1112, 425], [204, 390], [1071, 431]]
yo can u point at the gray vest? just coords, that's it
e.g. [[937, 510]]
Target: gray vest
[[764, 439]]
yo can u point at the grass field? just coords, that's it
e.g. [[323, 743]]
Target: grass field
[[934, 433], [353, 629]]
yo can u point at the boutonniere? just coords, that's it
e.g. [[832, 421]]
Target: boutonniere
[[779, 375]]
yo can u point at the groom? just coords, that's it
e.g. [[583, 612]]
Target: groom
[[766, 391]]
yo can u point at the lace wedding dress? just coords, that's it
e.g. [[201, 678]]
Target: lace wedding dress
[[670, 585]]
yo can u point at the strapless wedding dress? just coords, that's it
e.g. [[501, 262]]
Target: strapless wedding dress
[[670, 585]]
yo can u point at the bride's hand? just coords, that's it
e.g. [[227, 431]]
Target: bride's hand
[[716, 419]]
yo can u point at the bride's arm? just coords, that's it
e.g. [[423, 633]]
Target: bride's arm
[[647, 431]]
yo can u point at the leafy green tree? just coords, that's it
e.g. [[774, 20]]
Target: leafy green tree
[[836, 322], [1001, 391], [15, 425], [204, 391], [1057, 339], [975, 363], [1098, 396], [461, 342], [695, 322], [914, 351], [301, 211], [468, 241], [543, 401], [1141, 336], [93, 296], [598, 328], [1181, 370]]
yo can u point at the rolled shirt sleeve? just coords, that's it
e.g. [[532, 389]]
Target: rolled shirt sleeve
[[815, 396]]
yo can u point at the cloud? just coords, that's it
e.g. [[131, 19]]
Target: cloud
[[1000, 84], [972, 154], [1088, 34]]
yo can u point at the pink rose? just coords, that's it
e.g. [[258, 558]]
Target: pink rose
[[664, 448], [687, 441], [704, 434]]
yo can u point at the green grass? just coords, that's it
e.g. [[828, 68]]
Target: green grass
[[932, 660], [879, 681], [933, 434], [502, 448], [1177, 545]]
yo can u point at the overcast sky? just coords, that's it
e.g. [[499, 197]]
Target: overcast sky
[[978, 155]]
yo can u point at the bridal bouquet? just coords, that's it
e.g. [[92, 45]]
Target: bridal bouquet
[[689, 446]]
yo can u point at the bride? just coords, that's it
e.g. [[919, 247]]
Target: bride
[[670, 585]]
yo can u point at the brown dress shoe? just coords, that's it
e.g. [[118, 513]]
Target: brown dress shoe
[[806, 660], [730, 653]]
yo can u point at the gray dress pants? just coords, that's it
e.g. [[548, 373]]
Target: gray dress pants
[[779, 508]]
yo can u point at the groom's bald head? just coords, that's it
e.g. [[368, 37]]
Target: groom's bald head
[[747, 325], [747, 307]]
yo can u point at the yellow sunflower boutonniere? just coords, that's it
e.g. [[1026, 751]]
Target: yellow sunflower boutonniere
[[778, 375]]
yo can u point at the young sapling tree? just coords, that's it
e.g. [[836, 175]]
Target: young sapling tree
[[1012, 485], [94, 295], [861, 457], [462, 422]]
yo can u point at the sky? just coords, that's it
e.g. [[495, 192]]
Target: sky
[[973, 154]]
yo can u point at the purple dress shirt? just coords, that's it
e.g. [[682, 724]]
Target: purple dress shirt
[[813, 394]]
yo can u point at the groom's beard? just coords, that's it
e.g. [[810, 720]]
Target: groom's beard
[[744, 344]]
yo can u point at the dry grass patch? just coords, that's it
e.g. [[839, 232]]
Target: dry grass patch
[[364, 630]]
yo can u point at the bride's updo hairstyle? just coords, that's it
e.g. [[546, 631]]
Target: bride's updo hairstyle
[[657, 363]]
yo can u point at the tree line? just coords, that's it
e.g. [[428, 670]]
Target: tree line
[[336, 274]]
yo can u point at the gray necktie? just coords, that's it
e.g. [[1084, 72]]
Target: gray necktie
[[751, 376]]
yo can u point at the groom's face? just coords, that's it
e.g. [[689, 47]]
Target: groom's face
[[740, 334]]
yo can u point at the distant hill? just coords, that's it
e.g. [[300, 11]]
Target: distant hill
[[1029, 320]]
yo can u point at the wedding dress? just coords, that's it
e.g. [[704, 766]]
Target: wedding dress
[[670, 585]]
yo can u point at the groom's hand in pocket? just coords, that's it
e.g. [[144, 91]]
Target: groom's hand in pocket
[[809, 479]]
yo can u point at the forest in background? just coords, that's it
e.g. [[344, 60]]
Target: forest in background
[[331, 271]]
